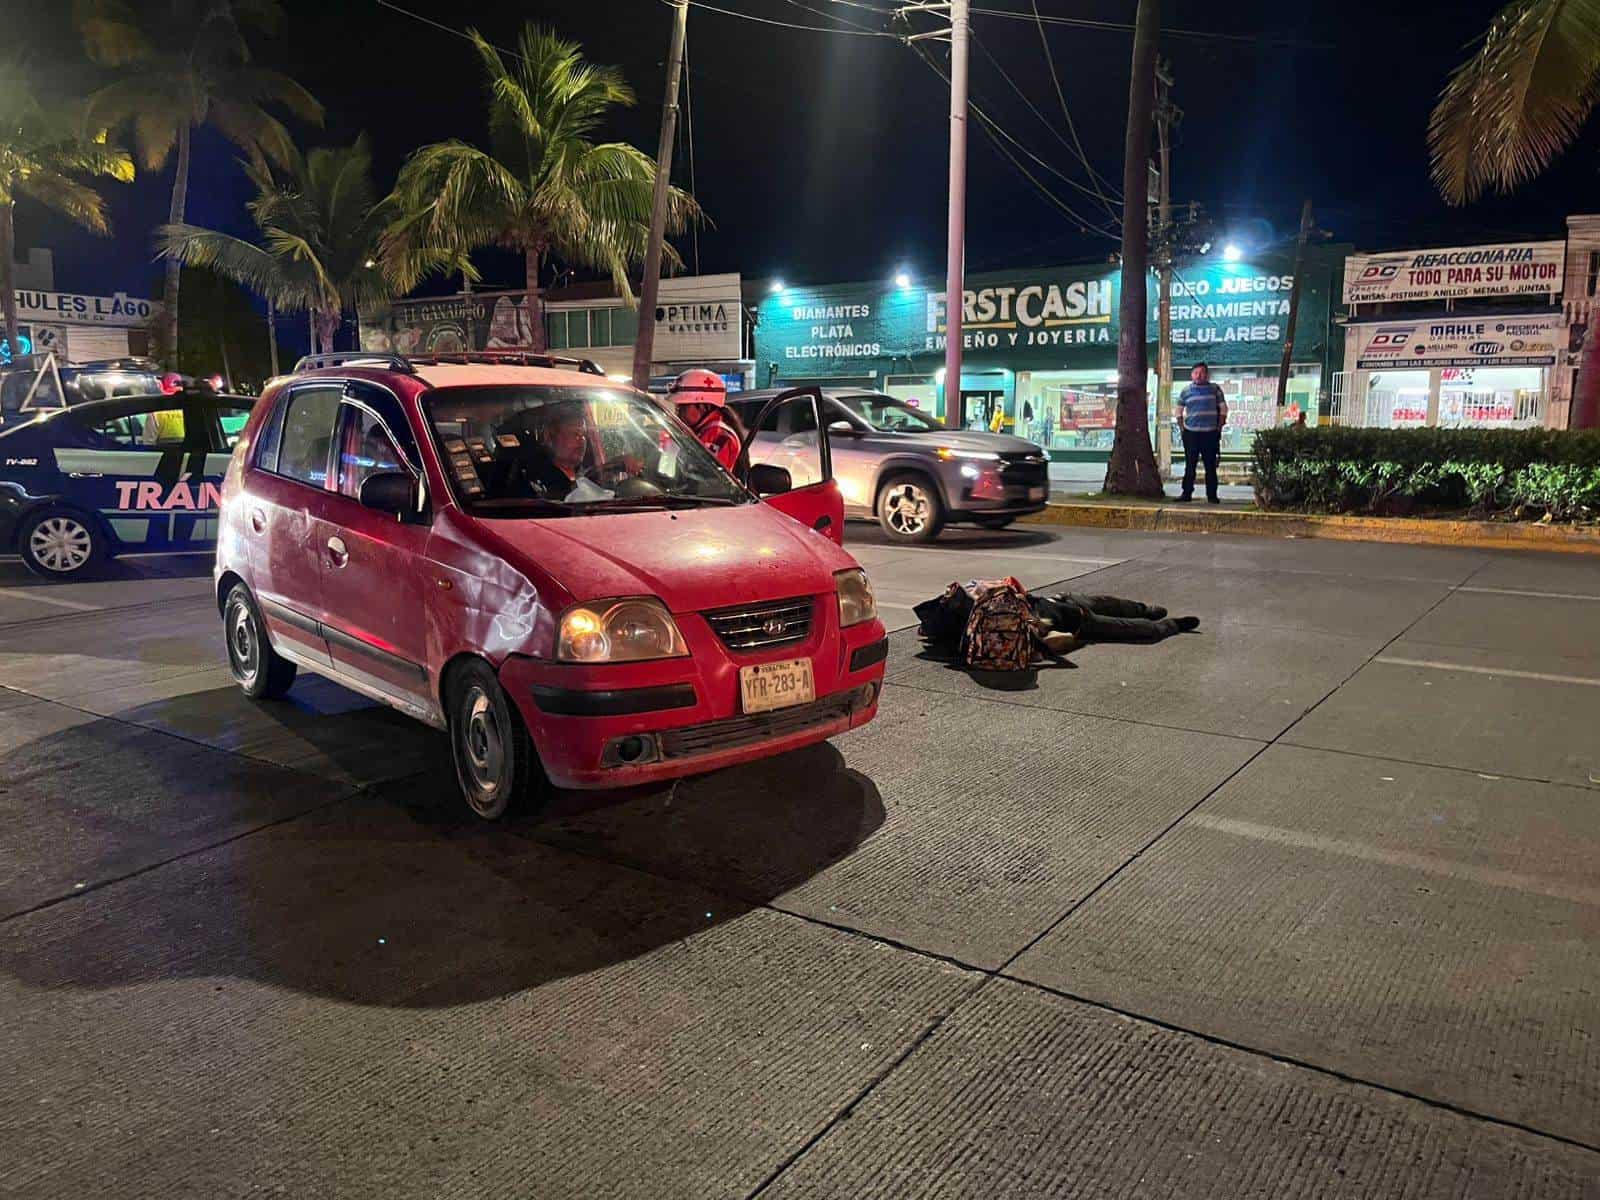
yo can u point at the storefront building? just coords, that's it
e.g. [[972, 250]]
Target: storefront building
[[1580, 287], [75, 328], [699, 323], [1455, 336], [1040, 346]]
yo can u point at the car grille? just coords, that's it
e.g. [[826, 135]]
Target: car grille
[[1025, 468], [762, 625], [756, 727]]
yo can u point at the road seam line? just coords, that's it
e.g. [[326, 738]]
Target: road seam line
[[1506, 672]]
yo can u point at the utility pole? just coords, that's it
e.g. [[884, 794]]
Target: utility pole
[[956, 241], [960, 35], [644, 345], [1166, 117], [272, 333], [1132, 470], [1294, 302]]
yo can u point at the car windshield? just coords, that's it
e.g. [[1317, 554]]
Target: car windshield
[[888, 415], [562, 451]]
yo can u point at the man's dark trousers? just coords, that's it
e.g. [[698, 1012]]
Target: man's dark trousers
[[1201, 444]]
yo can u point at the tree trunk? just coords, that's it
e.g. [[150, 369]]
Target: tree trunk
[[328, 325], [1132, 470], [535, 304], [180, 203], [311, 324], [272, 334], [8, 278], [1585, 410]]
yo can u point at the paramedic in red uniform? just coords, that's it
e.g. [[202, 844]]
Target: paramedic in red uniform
[[701, 398]]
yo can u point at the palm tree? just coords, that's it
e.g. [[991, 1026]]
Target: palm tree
[[543, 188], [188, 65], [320, 225], [1510, 109], [1131, 469], [40, 151]]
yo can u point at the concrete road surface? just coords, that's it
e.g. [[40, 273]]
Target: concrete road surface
[[1305, 903]]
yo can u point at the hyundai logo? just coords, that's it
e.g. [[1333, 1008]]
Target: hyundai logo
[[772, 627]]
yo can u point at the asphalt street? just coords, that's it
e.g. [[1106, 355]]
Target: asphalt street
[[1302, 904]]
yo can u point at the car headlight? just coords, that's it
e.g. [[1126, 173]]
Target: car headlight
[[607, 631], [946, 453], [856, 602]]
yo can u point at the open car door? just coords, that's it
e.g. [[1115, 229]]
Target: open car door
[[809, 494]]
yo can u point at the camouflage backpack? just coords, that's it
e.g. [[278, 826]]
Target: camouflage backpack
[[1001, 632]]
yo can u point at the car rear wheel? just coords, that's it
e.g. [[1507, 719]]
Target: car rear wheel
[[909, 509], [495, 761], [61, 544], [259, 670], [993, 522]]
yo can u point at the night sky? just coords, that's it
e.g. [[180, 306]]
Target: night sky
[[822, 157]]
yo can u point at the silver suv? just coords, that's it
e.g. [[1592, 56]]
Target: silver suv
[[899, 465]]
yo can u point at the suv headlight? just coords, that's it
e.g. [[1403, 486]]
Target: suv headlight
[[607, 631], [948, 453], [856, 602]]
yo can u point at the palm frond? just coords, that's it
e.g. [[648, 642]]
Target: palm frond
[[111, 32], [77, 201], [1519, 101]]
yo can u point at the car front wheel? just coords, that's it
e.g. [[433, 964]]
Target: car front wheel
[[61, 544], [259, 670], [494, 757], [909, 509]]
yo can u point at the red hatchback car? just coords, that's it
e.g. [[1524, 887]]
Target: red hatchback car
[[545, 564]]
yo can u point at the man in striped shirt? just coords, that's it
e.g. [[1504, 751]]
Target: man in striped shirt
[[1202, 412]]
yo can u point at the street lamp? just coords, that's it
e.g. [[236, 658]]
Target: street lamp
[[777, 286], [902, 280], [1232, 253]]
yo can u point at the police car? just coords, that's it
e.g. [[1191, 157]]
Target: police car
[[82, 484]]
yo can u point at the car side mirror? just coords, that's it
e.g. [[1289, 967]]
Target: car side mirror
[[392, 492], [844, 427], [768, 480]]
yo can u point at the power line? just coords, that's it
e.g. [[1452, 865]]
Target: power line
[[1095, 191], [728, 12], [995, 133], [1072, 128], [1123, 27], [464, 36], [830, 16]]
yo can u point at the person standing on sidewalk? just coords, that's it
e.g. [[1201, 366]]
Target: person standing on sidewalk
[[1202, 412]]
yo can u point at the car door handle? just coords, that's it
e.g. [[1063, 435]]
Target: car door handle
[[337, 554], [85, 475], [258, 520]]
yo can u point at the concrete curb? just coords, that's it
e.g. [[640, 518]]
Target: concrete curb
[[1162, 518]]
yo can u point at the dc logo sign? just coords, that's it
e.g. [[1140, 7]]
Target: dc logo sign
[[1389, 339], [1380, 272]]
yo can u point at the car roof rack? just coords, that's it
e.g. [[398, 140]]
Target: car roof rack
[[409, 363]]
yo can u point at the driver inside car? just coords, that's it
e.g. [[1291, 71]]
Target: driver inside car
[[556, 467]]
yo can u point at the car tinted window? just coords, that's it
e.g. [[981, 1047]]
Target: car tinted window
[[388, 408], [367, 449], [123, 433], [267, 439], [231, 417], [307, 437]]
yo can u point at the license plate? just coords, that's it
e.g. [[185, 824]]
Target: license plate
[[766, 686], [1037, 493]]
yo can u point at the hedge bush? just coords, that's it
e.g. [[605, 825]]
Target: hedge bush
[[1521, 474]]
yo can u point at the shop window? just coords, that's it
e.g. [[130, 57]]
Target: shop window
[[600, 327], [555, 330], [1594, 272], [624, 326], [578, 330]]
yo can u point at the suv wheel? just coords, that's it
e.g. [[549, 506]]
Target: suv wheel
[[495, 762], [259, 670], [909, 509], [61, 544]]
